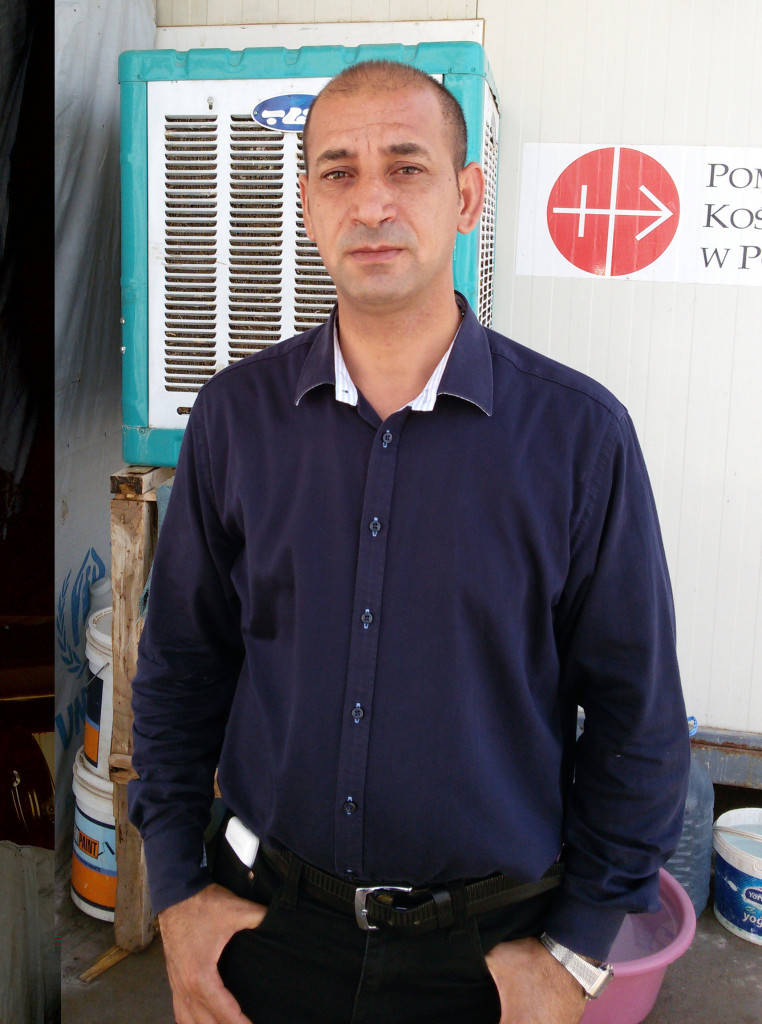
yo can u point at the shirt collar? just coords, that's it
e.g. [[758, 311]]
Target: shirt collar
[[347, 392], [466, 370]]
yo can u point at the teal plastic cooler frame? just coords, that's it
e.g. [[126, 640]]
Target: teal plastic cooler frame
[[464, 70]]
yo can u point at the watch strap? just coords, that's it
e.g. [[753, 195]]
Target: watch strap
[[592, 979]]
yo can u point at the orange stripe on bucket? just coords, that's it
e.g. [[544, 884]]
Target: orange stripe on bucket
[[92, 885], [91, 742]]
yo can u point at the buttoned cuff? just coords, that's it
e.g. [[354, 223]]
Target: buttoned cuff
[[174, 865], [588, 929]]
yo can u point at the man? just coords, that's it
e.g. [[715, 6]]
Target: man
[[400, 551]]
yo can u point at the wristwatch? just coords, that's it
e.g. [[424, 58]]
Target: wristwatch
[[592, 979]]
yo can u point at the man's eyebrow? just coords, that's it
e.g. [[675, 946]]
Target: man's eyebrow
[[329, 155], [396, 149], [407, 149]]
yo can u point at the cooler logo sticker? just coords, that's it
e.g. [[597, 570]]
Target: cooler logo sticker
[[754, 896], [283, 113]]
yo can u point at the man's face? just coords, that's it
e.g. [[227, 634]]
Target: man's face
[[382, 199]]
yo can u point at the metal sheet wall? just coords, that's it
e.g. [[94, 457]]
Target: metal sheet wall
[[246, 12], [685, 358]]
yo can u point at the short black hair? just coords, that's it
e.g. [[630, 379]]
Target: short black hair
[[390, 74]]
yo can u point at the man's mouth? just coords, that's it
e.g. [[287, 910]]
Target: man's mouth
[[370, 254]]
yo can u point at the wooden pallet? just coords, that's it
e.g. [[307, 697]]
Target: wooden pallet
[[133, 538]]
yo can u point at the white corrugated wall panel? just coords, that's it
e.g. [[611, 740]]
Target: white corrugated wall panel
[[686, 359], [245, 12]]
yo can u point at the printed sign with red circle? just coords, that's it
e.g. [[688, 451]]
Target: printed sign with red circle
[[613, 211]]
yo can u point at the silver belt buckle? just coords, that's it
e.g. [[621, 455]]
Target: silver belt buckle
[[361, 896]]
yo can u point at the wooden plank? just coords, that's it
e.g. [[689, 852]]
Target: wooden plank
[[27, 681], [133, 537], [36, 714], [120, 769], [26, 620], [105, 960], [133, 481], [134, 920]]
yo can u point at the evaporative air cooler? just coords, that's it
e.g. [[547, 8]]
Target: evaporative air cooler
[[215, 260]]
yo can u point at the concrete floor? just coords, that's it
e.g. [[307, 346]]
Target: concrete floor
[[718, 981]]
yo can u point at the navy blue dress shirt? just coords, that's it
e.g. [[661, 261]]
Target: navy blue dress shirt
[[381, 632]]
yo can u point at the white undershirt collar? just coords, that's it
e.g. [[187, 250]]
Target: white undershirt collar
[[347, 392]]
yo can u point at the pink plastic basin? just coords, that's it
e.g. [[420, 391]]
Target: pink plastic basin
[[643, 949]]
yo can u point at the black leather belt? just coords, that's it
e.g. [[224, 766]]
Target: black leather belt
[[394, 906]]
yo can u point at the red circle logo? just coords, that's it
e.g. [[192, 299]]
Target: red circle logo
[[613, 211]]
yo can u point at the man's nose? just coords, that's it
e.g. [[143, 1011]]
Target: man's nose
[[372, 200]]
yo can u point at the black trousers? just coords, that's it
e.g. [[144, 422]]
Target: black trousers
[[310, 964]]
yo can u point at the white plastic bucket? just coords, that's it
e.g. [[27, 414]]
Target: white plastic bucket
[[738, 873], [100, 713], [93, 863], [100, 594]]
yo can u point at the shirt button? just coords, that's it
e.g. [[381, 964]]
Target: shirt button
[[350, 807], [387, 438], [375, 526], [357, 712], [366, 618]]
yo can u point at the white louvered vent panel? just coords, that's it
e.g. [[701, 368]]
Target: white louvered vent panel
[[315, 293], [190, 227], [257, 237], [487, 223], [224, 228]]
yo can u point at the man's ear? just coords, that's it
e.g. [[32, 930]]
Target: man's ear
[[471, 183], [306, 207]]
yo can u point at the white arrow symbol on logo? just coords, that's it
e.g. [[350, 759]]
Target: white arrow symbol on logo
[[662, 213]]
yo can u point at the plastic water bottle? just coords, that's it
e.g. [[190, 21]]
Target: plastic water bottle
[[691, 863]]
